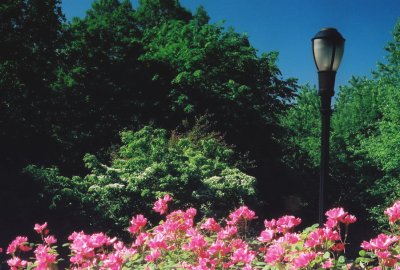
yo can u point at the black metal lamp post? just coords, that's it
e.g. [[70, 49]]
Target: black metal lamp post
[[328, 48]]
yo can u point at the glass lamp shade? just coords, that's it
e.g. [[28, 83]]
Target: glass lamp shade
[[328, 48]]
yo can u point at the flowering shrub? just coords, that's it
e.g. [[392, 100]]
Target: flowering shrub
[[197, 167], [385, 248], [179, 243]]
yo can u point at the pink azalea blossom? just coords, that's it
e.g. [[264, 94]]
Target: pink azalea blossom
[[331, 223], [154, 255], [40, 228], [270, 224], [227, 232], [158, 242], [335, 213], [242, 212], [243, 255], [285, 223], [219, 247], [291, 238], [393, 212], [161, 205], [44, 257], [211, 225], [274, 254], [304, 259], [137, 223], [140, 239], [382, 241], [266, 236], [113, 261], [314, 239], [348, 219], [16, 263], [50, 240], [18, 243], [327, 264], [197, 240]]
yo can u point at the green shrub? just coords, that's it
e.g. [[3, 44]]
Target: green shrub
[[199, 170]]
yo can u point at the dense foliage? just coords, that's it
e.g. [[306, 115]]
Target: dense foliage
[[70, 88], [200, 171]]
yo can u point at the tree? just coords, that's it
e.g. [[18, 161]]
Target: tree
[[31, 33], [100, 81], [155, 12], [382, 145], [207, 69]]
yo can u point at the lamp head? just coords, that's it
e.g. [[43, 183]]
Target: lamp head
[[328, 48]]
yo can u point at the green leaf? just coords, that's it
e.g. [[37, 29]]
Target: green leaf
[[326, 255]]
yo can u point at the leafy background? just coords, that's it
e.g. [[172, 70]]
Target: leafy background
[[100, 115]]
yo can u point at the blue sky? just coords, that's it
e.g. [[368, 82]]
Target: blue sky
[[287, 26]]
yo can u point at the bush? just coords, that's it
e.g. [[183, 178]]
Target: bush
[[180, 243], [200, 170]]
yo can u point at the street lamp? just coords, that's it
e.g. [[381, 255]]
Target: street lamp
[[328, 48]]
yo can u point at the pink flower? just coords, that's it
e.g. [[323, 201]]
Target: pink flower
[[161, 205], [241, 213], [15, 263], [274, 254], [285, 223], [304, 259], [113, 261], [266, 235], [291, 238], [137, 223], [197, 240], [348, 219], [154, 255], [190, 213], [383, 254], [393, 212], [227, 232], [331, 223], [319, 236], [140, 239], [270, 224], [327, 264], [211, 225], [44, 257], [330, 234], [382, 241], [219, 247], [314, 239], [41, 228], [335, 213], [50, 240], [99, 239], [205, 264], [158, 241], [18, 243], [243, 255]]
